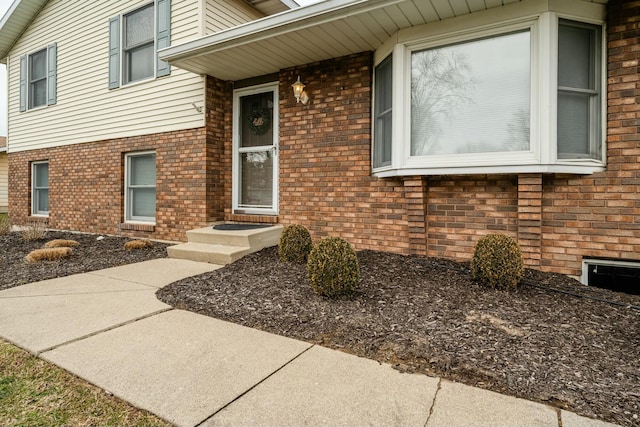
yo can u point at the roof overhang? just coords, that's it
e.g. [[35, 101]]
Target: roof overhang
[[329, 29], [15, 21], [317, 32]]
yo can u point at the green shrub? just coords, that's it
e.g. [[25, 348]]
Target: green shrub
[[295, 244], [333, 268], [497, 261]]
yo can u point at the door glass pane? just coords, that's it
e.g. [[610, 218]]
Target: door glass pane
[[573, 125], [256, 120], [143, 202], [471, 97], [256, 175], [143, 170]]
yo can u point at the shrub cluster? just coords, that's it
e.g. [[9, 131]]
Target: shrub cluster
[[61, 243], [35, 230], [48, 254], [333, 268], [295, 244], [497, 262], [137, 244], [5, 225]]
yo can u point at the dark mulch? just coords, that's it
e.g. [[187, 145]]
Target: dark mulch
[[92, 254], [426, 315]]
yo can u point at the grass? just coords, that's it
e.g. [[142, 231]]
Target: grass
[[35, 392]]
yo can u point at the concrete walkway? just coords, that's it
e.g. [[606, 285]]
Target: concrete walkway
[[108, 327]]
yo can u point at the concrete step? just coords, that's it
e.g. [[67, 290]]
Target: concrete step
[[224, 246], [204, 252], [259, 238]]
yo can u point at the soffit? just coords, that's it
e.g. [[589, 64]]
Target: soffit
[[325, 30], [15, 22], [271, 7]]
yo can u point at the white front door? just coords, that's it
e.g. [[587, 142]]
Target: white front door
[[255, 150]]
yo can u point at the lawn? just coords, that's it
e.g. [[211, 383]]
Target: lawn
[[36, 393]]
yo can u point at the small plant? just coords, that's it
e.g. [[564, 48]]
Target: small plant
[[137, 244], [35, 230], [48, 254], [61, 243], [497, 262], [333, 268], [5, 224], [295, 244]]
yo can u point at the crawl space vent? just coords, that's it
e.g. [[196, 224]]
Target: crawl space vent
[[619, 276]]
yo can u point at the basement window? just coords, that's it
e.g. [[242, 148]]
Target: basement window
[[619, 276]]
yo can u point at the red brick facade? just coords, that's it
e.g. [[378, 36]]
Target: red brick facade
[[326, 183]]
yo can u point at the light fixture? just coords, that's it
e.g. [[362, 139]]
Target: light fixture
[[198, 109], [299, 93]]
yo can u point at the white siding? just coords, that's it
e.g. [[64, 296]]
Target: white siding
[[86, 109], [4, 186], [223, 14]]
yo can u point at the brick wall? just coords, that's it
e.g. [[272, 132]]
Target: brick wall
[[86, 184], [325, 159]]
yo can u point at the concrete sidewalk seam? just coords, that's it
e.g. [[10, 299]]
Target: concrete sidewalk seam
[[93, 273], [119, 325], [82, 293], [433, 402], [254, 386]]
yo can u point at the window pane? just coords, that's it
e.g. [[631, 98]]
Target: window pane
[[42, 201], [573, 125], [575, 57], [257, 179], [41, 175], [143, 170], [471, 97], [143, 202], [38, 93], [139, 26], [38, 65], [139, 63], [383, 114]]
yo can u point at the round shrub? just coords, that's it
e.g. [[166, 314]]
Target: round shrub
[[497, 261], [295, 244], [333, 268]]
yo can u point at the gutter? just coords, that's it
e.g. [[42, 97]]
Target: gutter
[[271, 26]]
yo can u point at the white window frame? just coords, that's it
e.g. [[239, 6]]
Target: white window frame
[[128, 216], [542, 156], [123, 81], [35, 190], [46, 79]]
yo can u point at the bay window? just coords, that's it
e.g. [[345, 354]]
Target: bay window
[[523, 96]]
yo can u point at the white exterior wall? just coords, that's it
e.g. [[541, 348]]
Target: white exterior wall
[[222, 14], [86, 109], [4, 186]]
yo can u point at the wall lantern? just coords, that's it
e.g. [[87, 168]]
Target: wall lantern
[[299, 93]]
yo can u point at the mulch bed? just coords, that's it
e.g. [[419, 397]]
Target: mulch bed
[[427, 316], [91, 254]]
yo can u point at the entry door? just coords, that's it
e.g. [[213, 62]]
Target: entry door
[[255, 157]]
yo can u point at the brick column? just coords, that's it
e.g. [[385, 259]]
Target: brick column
[[530, 218], [415, 191]]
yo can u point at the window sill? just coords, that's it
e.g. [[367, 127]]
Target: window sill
[[137, 226], [575, 169]]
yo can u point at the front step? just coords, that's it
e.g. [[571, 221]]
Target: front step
[[223, 246]]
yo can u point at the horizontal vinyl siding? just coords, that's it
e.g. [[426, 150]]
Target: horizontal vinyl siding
[[223, 14], [4, 187], [86, 109]]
